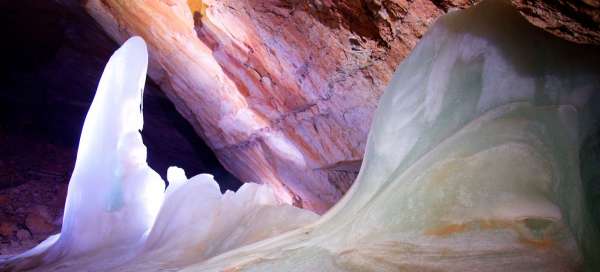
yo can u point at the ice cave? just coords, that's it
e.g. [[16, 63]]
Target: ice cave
[[480, 154]]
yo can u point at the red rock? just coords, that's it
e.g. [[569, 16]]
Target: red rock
[[23, 235], [576, 21], [38, 221], [7, 229], [4, 200]]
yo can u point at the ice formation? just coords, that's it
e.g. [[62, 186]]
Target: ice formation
[[478, 160], [118, 211]]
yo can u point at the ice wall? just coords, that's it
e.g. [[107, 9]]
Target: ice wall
[[474, 163]]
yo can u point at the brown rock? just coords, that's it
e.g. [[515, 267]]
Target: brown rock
[[7, 229], [39, 221], [576, 21], [4, 200]]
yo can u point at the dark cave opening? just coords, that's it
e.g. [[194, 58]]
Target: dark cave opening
[[53, 57]]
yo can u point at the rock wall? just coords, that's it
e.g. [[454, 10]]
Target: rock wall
[[283, 91], [576, 21]]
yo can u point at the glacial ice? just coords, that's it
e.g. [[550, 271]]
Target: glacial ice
[[480, 158]]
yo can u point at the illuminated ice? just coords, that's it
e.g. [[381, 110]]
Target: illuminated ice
[[479, 159], [117, 210]]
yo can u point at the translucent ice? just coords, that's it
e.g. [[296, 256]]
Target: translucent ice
[[479, 159]]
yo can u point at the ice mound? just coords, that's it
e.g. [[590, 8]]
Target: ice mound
[[480, 158]]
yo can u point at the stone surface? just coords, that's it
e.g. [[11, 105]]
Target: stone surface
[[33, 187], [577, 21], [7, 229], [39, 220], [282, 91], [33, 212]]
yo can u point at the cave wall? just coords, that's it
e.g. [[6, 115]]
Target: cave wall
[[575, 21], [284, 91]]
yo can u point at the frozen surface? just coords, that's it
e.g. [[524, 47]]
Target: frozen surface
[[478, 160]]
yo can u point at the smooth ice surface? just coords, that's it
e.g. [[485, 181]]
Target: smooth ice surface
[[479, 158]]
